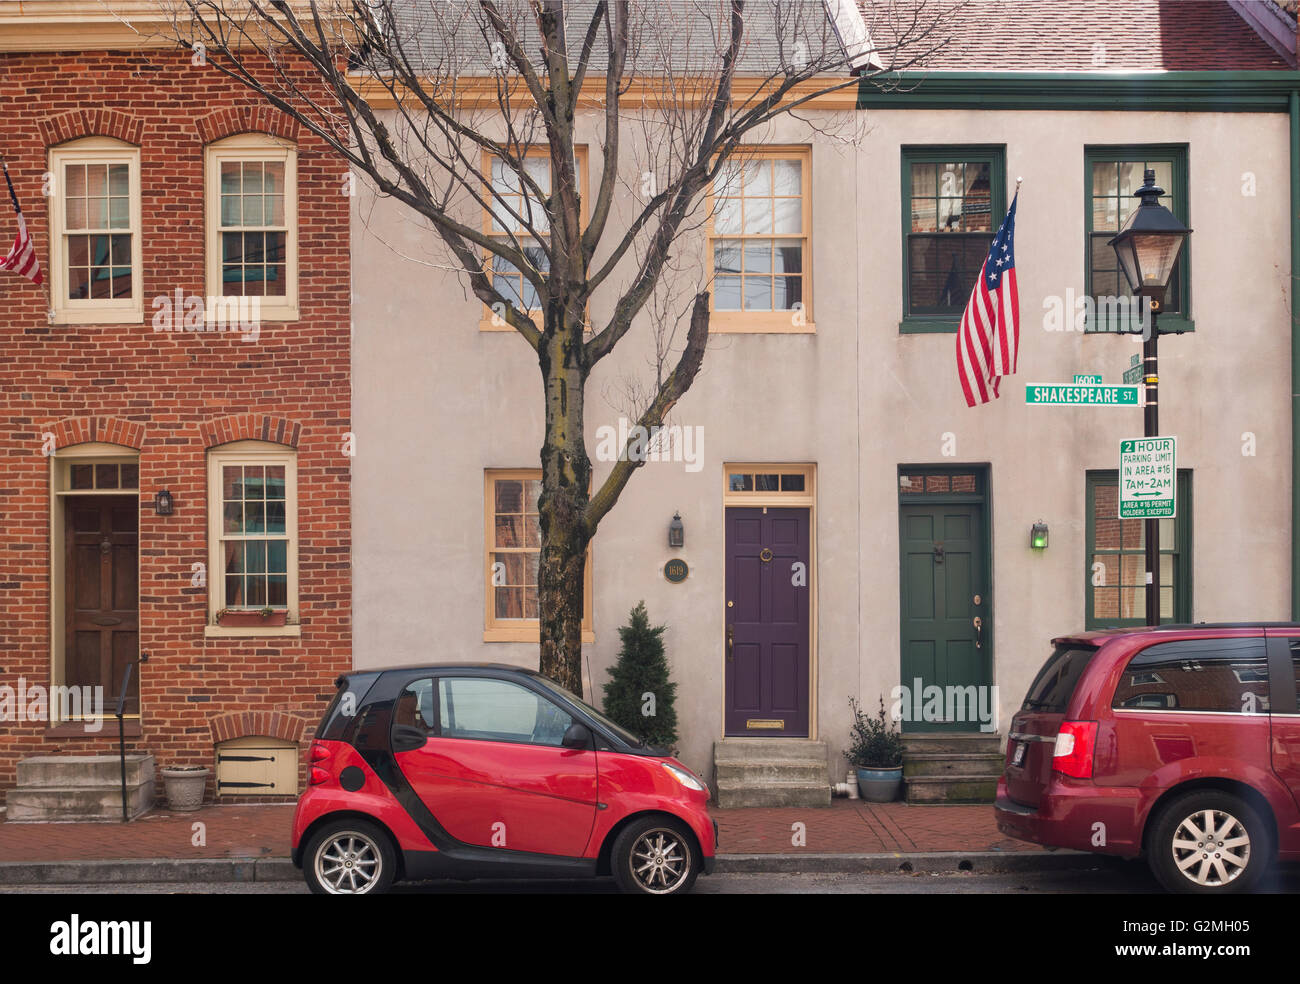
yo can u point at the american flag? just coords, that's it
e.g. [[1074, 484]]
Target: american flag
[[988, 340], [22, 258]]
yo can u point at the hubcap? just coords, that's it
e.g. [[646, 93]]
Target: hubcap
[[348, 864], [660, 861], [1211, 847]]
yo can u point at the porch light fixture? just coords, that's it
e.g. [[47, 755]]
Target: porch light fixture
[[676, 532], [1149, 244], [1038, 536], [162, 503]]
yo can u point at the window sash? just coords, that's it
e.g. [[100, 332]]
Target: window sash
[[1102, 276], [112, 252], [220, 596], [953, 273]]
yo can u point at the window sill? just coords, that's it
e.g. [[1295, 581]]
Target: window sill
[[928, 326], [525, 633], [99, 316], [77, 729], [1169, 324], [728, 324], [251, 632]]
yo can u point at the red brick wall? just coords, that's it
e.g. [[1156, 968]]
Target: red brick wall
[[173, 390]]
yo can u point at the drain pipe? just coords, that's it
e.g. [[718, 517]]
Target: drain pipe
[[1295, 354]]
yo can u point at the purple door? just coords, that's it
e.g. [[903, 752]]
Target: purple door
[[769, 583]]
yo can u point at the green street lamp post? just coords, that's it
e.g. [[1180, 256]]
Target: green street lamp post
[[1148, 247]]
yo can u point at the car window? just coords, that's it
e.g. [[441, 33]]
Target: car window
[[1054, 685], [414, 705], [498, 710], [1224, 675]]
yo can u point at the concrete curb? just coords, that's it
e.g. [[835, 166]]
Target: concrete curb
[[938, 862], [187, 871], [150, 870]]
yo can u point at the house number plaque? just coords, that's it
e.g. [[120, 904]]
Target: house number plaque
[[676, 570]]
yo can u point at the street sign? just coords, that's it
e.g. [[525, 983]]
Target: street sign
[[1081, 395], [1085, 378], [1133, 374], [1146, 478]]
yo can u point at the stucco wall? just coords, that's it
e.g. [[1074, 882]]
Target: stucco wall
[[436, 401]]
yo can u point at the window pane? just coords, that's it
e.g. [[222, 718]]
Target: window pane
[[275, 516], [767, 483], [739, 482], [789, 215], [1223, 675], [786, 293], [792, 483], [497, 710], [758, 256], [509, 496], [97, 179], [106, 476], [757, 178], [277, 556], [726, 294], [788, 177], [130, 476], [726, 217], [758, 216], [758, 293], [83, 477]]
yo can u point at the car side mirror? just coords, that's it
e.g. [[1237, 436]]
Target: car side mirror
[[577, 736]]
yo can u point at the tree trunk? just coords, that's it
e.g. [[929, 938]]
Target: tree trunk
[[566, 481]]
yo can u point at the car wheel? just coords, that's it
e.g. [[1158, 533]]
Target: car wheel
[[654, 856], [349, 857], [1210, 843]]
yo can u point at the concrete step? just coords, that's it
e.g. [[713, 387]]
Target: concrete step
[[950, 789], [84, 771], [45, 803], [955, 764], [772, 770], [744, 749], [952, 742], [733, 793]]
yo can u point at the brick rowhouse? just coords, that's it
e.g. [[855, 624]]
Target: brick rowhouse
[[173, 397]]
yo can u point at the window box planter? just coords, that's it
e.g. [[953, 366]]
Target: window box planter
[[251, 618]]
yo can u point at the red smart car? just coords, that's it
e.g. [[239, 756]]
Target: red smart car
[[1180, 744], [483, 771]]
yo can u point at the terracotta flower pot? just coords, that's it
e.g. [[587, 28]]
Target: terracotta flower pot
[[185, 787]]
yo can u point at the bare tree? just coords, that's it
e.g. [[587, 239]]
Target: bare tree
[[460, 107]]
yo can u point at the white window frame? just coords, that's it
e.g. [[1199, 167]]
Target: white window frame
[[251, 453], [253, 147], [94, 311]]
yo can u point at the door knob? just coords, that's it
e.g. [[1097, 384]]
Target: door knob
[[731, 640], [979, 626]]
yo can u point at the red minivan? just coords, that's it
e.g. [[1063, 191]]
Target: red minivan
[[1180, 744], [487, 771]]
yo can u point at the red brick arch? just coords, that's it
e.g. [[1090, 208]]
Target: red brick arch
[[271, 724], [78, 123], [250, 427], [83, 430], [249, 118]]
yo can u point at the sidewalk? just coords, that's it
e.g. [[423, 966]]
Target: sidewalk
[[848, 834]]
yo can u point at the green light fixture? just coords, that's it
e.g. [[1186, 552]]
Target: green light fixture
[[1038, 536]]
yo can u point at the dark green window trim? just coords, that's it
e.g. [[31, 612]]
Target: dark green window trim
[[1144, 92], [1177, 155], [1182, 562], [995, 156]]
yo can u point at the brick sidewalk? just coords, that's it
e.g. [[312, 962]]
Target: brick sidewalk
[[847, 827]]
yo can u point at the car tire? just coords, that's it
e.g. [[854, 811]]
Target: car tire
[[1183, 859], [655, 856], [349, 857]]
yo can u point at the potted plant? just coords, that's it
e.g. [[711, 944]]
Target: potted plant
[[876, 751], [185, 785], [244, 618]]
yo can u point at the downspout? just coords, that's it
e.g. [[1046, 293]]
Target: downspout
[[1295, 354]]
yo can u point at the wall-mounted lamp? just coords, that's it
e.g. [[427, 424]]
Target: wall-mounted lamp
[[162, 503], [1038, 536], [676, 532]]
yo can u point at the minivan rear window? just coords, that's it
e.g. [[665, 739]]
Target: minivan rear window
[[1054, 685], [1227, 676]]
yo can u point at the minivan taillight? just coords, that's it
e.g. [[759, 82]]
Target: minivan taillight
[[1075, 743]]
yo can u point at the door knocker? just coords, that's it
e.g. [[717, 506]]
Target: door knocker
[[105, 546], [765, 555], [938, 551]]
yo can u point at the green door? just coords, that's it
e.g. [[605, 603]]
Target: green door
[[945, 617]]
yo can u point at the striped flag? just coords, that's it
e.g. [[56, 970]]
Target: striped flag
[[988, 340], [22, 258]]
